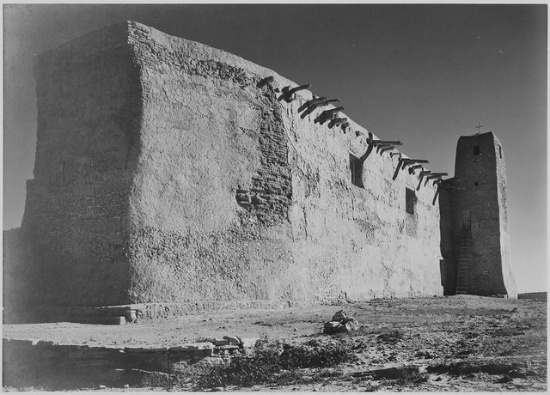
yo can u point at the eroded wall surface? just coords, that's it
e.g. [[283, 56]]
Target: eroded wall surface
[[505, 253], [164, 174]]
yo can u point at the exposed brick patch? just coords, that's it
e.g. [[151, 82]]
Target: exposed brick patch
[[270, 194]]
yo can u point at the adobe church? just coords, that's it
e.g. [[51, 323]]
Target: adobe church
[[169, 172]]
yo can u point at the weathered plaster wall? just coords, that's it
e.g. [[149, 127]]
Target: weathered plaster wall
[[164, 174], [89, 101], [481, 190], [360, 242], [502, 187], [237, 197], [205, 226]]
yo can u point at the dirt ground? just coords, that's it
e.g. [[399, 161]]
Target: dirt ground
[[461, 343]]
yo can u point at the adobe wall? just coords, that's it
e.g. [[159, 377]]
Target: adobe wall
[[76, 213], [236, 197], [164, 174], [502, 186]]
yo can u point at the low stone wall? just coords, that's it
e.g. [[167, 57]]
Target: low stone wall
[[123, 314], [41, 363]]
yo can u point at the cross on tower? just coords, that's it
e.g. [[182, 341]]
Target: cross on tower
[[478, 127]]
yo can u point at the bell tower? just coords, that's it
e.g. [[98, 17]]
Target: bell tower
[[479, 218]]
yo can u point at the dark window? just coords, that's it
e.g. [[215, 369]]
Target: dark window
[[410, 198], [476, 184], [500, 151], [476, 149], [356, 169]]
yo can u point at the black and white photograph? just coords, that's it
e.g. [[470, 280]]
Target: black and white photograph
[[275, 197]]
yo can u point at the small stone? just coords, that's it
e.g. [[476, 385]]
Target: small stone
[[229, 347], [249, 342], [339, 316], [220, 342], [333, 327], [351, 324], [233, 340]]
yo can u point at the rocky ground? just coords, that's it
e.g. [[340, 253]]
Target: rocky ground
[[459, 343]]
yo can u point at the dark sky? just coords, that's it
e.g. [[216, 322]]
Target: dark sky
[[422, 74]]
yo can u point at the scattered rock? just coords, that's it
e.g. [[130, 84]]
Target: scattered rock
[[339, 316], [340, 324], [233, 340], [352, 323], [229, 347], [220, 342], [249, 342], [333, 327]]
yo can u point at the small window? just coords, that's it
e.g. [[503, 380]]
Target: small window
[[500, 151], [476, 183], [356, 169], [476, 149], [410, 198]]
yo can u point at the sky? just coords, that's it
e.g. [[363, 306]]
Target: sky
[[422, 74]]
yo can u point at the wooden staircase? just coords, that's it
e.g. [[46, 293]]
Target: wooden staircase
[[463, 260]]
